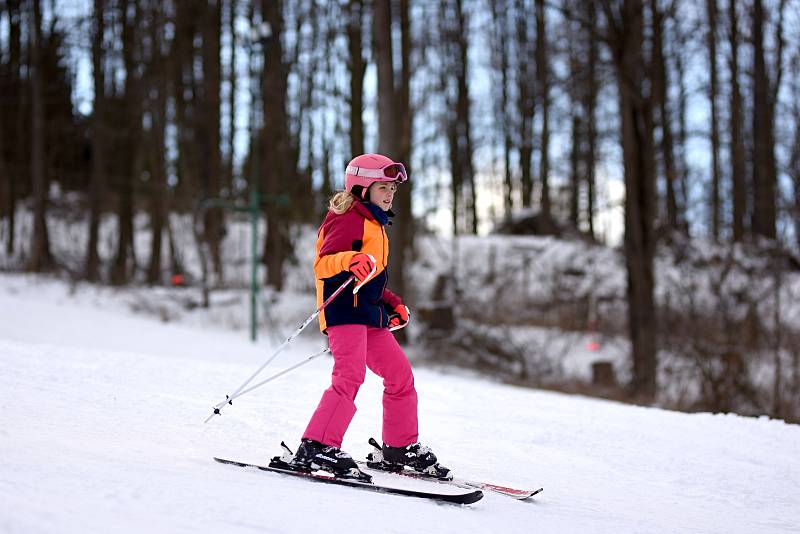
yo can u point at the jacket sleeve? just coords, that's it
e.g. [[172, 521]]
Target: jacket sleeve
[[335, 246], [391, 299], [333, 264]]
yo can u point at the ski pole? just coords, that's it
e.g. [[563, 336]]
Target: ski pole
[[228, 398], [276, 375], [292, 368]]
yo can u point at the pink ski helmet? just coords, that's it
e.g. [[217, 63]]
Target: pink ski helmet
[[364, 170]]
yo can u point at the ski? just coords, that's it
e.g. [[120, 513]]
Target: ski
[[374, 463], [278, 466]]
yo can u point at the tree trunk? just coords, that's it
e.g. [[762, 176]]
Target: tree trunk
[[387, 99], [464, 141], [794, 159], [124, 259], [764, 165], [232, 108], [403, 233], [98, 176], [211, 168], [577, 128], [394, 120], [16, 119], [574, 170], [794, 171], [279, 163], [543, 82], [713, 90], [525, 102], [681, 145], [456, 115], [500, 53], [660, 93], [41, 258], [182, 63], [590, 111], [5, 185], [738, 165], [627, 42], [357, 67], [159, 86]]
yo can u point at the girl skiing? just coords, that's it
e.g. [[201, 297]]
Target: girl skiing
[[352, 241]]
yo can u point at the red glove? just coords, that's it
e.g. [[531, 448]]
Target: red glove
[[400, 318], [362, 265]]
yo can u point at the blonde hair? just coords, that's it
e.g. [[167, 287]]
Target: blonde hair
[[341, 202]]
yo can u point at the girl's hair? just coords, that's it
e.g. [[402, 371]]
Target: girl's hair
[[341, 202]]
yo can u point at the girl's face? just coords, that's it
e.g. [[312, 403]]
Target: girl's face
[[381, 194]]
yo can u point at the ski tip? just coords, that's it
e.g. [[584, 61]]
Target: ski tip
[[529, 495]]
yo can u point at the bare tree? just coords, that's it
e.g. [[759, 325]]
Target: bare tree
[[99, 169], [357, 67], [394, 120], [543, 92], [794, 158], [454, 40], [125, 259], [158, 84], [713, 91], [737, 150], [403, 234], [503, 119], [388, 113], [765, 88], [624, 21], [209, 129], [41, 258], [590, 110], [576, 130], [525, 99], [279, 161], [583, 84], [13, 119], [231, 13], [664, 117]]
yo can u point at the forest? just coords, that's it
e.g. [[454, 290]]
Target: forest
[[514, 117]]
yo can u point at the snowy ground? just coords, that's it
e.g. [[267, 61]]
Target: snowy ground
[[103, 431]]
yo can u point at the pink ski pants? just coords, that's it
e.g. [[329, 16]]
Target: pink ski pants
[[354, 348]]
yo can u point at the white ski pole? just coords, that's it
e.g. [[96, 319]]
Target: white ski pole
[[228, 398], [293, 367], [276, 375]]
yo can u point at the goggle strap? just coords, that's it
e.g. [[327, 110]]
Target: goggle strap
[[372, 173], [368, 173]]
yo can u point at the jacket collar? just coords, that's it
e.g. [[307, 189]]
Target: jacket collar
[[374, 213]]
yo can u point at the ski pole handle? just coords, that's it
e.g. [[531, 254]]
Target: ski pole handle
[[369, 276]]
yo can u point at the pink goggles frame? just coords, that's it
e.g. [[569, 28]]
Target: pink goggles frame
[[394, 172]]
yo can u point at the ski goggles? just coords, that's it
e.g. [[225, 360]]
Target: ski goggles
[[394, 172]]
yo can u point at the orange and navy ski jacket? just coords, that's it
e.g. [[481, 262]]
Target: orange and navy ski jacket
[[359, 229]]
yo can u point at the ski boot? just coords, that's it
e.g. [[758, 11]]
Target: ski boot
[[416, 456], [315, 456]]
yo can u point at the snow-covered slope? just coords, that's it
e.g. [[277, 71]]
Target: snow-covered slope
[[103, 431]]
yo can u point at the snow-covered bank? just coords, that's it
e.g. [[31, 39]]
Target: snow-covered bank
[[103, 431]]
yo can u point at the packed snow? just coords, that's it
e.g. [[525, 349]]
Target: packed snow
[[103, 402]]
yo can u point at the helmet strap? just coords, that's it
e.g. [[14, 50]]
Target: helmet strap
[[359, 191]]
